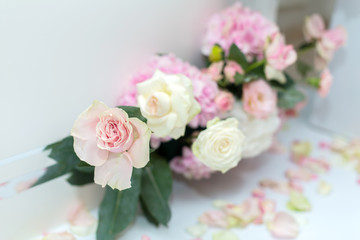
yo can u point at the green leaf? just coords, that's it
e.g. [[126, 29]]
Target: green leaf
[[281, 87], [289, 98], [156, 189], [118, 208], [133, 112], [313, 81], [85, 167], [239, 78], [79, 178], [238, 56], [147, 214], [303, 68], [63, 153]]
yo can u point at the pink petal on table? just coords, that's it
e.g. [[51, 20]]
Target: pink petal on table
[[246, 212], [145, 237], [300, 174], [59, 236], [284, 226], [214, 218], [258, 193], [280, 187], [82, 222], [24, 185]]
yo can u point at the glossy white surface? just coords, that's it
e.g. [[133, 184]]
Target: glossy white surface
[[333, 217]]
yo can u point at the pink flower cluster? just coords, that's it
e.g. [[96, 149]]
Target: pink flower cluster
[[189, 166], [327, 41], [205, 89], [240, 25]]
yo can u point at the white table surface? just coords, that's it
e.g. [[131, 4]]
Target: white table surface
[[333, 217]]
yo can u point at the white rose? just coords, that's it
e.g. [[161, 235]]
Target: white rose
[[168, 103], [259, 132], [219, 146]]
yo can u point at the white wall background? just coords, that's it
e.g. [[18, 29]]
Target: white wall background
[[56, 57], [340, 111]]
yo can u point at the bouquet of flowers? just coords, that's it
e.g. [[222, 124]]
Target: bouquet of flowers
[[175, 117]]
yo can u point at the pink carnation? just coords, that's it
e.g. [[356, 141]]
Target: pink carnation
[[205, 89], [189, 166], [240, 25]]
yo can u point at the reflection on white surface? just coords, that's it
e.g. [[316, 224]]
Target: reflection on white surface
[[190, 199]]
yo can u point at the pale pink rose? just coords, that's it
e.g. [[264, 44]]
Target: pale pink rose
[[239, 25], [325, 83], [284, 226], [330, 41], [279, 55], [225, 101], [214, 70], [231, 69], [112, 142], [314, 27], [259, 99]]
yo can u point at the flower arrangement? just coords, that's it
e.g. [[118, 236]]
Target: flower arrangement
[[175, 117]]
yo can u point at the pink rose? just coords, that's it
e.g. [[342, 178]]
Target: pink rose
[[279, 55], [214, 70], [325, 83], [330, 41], [259, 99], [224, 101], [112, 142], [314, 27], [231, 69]]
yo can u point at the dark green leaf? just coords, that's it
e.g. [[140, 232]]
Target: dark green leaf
[[306, 46], [79, 178], [156, 189], [281, 87], [133, 112], [118, 208], [147, 214], [84, 167], [238, 56], [63, 153], [303, 68], [289, 98], [239, 78]]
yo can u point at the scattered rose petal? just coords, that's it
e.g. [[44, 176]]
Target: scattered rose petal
[[324, 188], [245, 212], [300, 174], [298, 202], [214, 218], [197, 230], [220, 203], [280, 187], [81, 221], [258, 193], [145, 237], [59, 236], [300, 149], [225, 235], [284, 226], [24, 185]]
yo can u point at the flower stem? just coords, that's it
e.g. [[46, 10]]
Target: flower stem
[[255, 65]]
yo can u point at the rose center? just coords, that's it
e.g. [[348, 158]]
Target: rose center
[[158, 104]]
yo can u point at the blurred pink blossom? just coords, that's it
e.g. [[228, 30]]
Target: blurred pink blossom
[[239, 25], [189, 166], [314, 27], [279, 55], [225, 101], [231, 69], [259, 99]]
